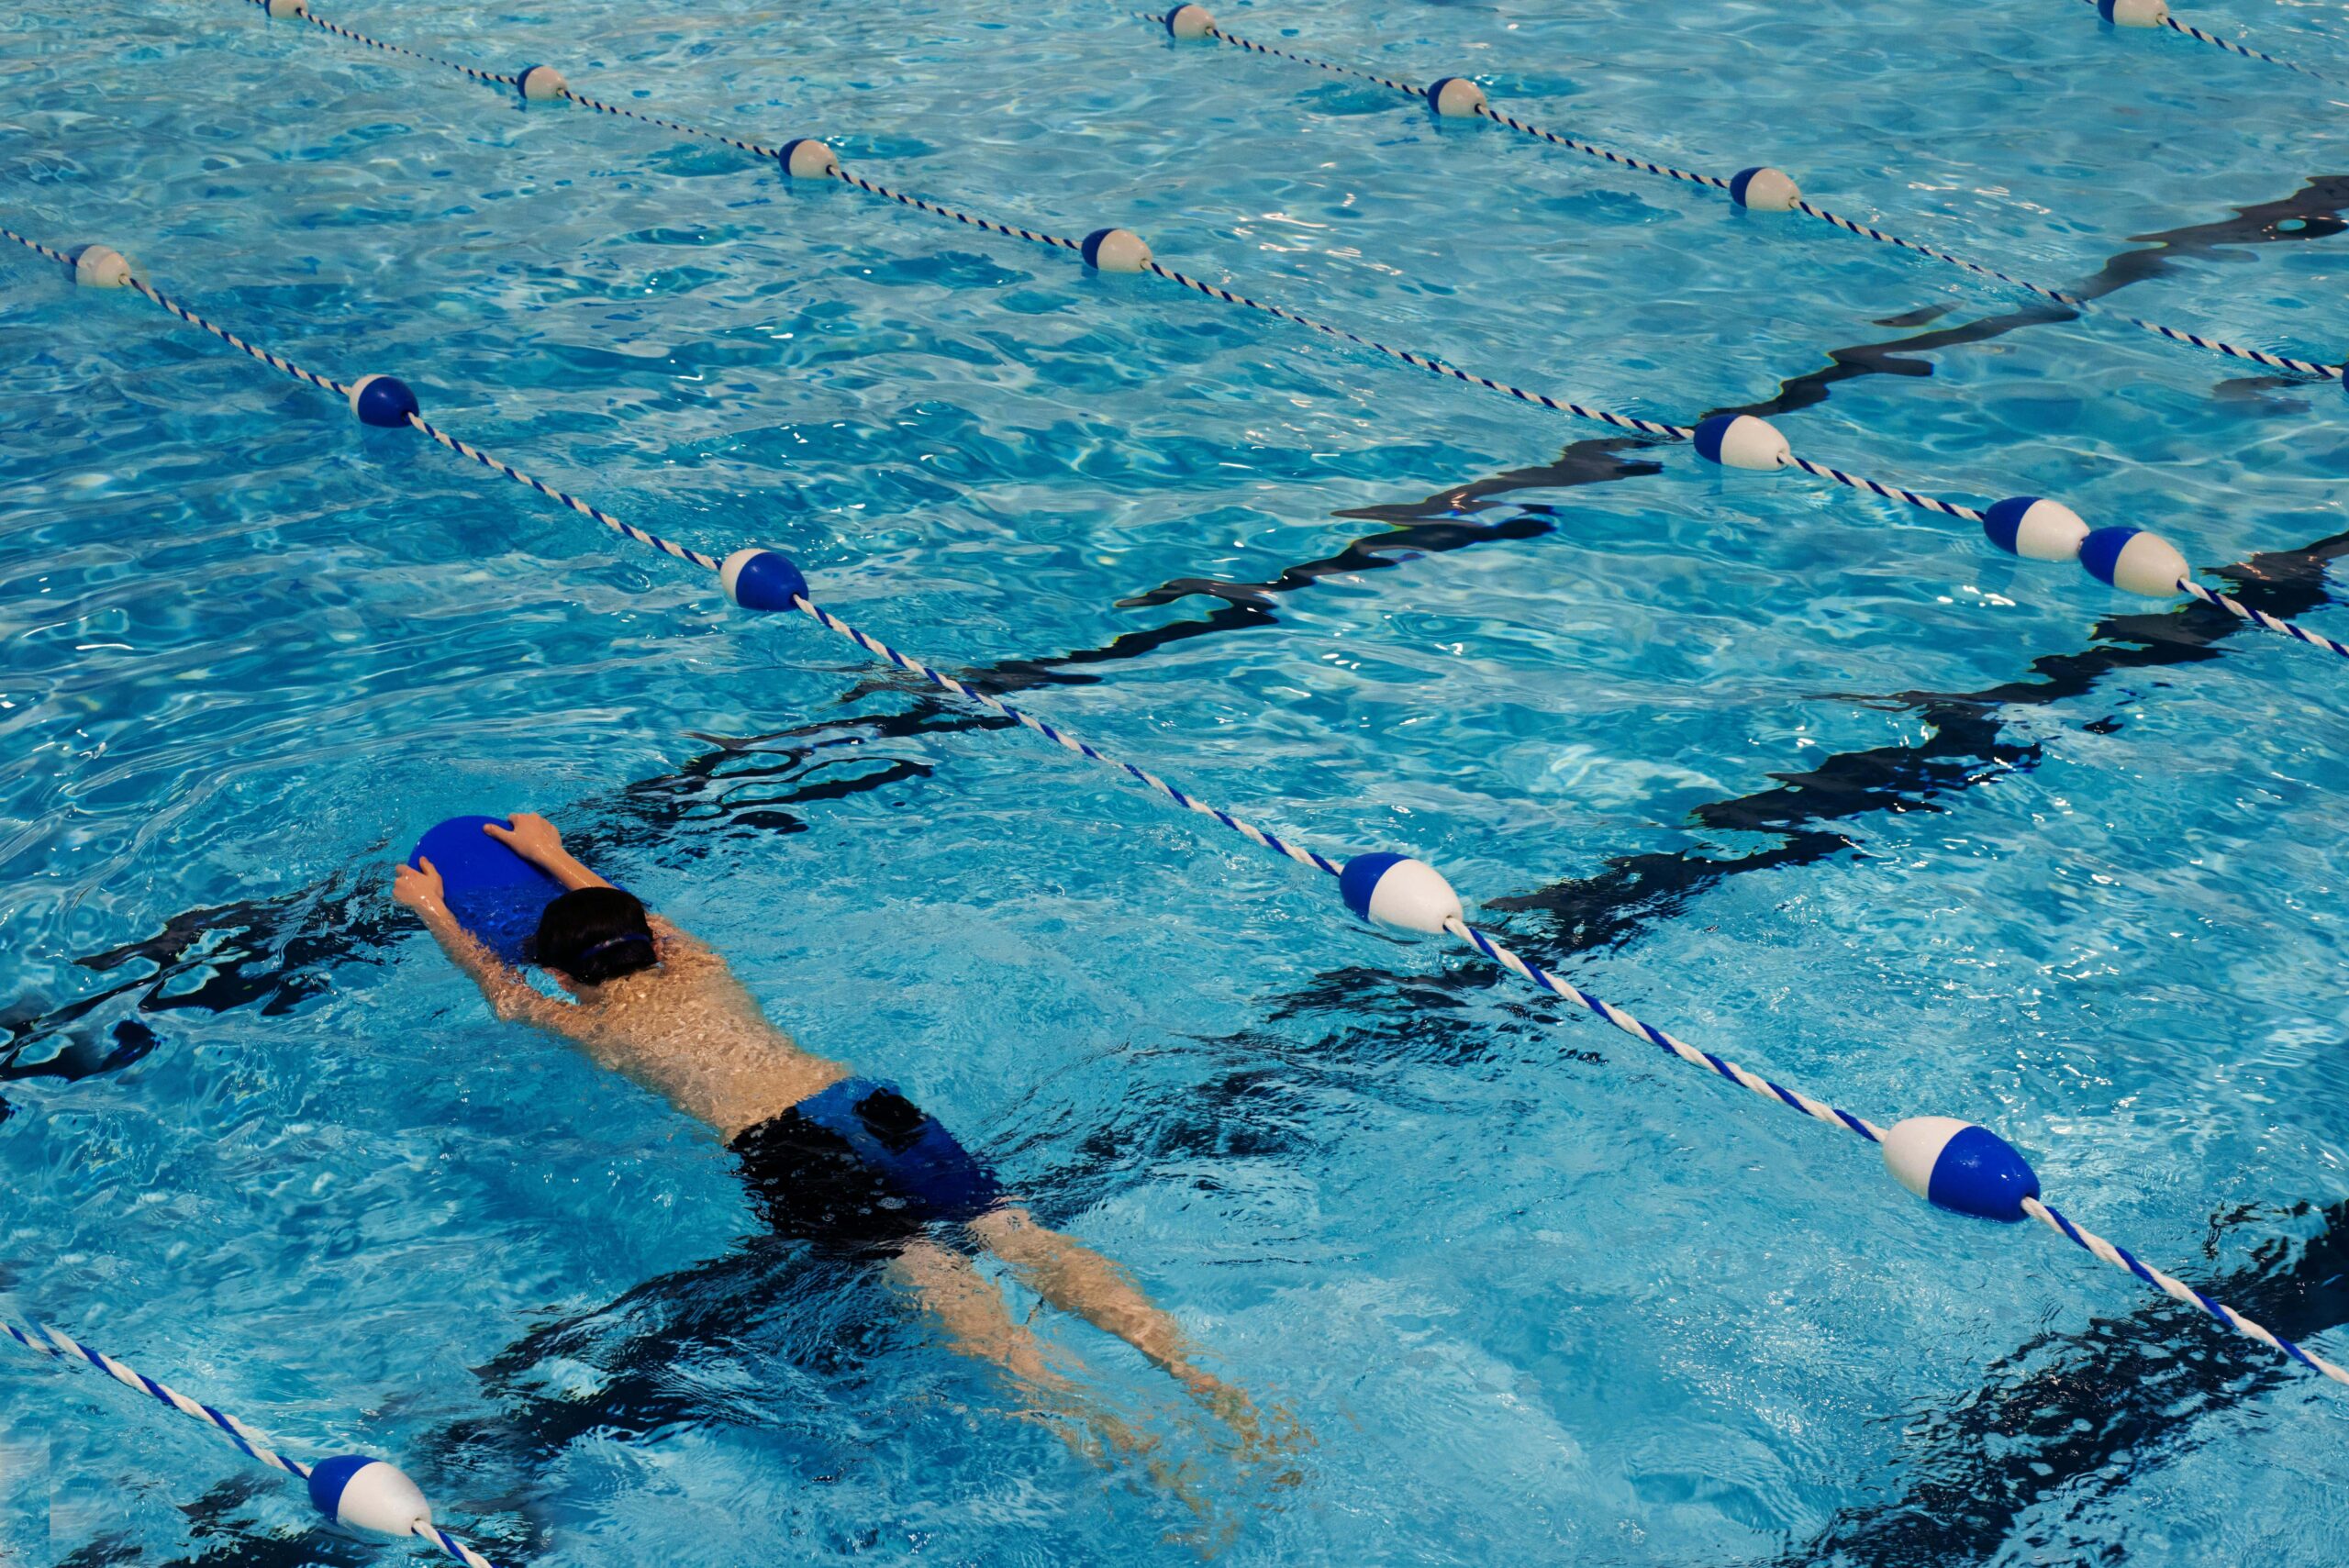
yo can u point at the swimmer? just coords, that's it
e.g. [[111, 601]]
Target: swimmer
[[839, 1161]]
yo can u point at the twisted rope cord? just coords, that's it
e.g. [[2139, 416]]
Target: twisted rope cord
[[756, 150], [629, 531], [2120, 1257], [58, 1345], [2073, 301], [1850, 225], [1592, 149], [1422, 361], [1889, 491], [338, 30], [277, 362], [283, 366], [2259, 617], [991, 225], [2174, 24], [1819, 1110], [59, 257], [1246, 829], [1496, 951]]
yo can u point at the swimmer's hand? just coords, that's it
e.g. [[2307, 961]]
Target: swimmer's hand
[[420, 890], [533, 837]]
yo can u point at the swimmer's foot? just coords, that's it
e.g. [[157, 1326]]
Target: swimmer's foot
[[1262, 1434]]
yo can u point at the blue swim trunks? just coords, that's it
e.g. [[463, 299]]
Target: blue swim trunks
[[859, 1168]]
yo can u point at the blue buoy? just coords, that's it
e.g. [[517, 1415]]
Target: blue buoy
[[1957, 1166], [762, 579], [383, 400]]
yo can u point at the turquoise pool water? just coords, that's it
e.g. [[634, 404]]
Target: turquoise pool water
[[1823, 785]]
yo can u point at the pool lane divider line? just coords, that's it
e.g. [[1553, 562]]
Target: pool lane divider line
[[2133, 560], [354, 1490], [1759, 189], [1952, 1164]]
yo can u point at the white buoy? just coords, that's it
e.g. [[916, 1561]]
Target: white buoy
[[2134, 562], [2035, 529], [1765, 190], [289, 7], [1740, 441], [2133, 13], [1190, 22], [807, 159], [101, 267], [1455, 97], [542, 83], [368, 1494], [1394, 890], [1114, 250]]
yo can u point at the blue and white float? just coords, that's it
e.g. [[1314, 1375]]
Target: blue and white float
[[804, 158], [541, 84], [2134, 562], [1190, 22], [1455, 97], [383, 401], [1395, 890], [1764, 189], [1114, 250], [762, 579], [369, 1494], [1740, 441], [2035, 529], [1957, 1166]]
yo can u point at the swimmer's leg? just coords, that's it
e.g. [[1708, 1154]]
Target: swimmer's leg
[[1078, 1280], [977, 1320], [978, 1324]]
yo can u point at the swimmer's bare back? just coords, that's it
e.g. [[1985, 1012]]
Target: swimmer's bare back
[[685, 1027]]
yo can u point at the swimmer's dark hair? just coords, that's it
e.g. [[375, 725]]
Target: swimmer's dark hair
[[595, 934]]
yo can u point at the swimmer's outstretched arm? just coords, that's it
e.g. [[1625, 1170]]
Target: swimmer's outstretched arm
[[511, 996]]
